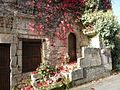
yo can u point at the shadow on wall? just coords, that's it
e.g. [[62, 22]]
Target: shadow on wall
[[116, 54]]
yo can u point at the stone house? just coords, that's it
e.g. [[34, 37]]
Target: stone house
[[21, 51]]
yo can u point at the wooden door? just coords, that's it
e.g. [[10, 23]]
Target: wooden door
[[31, 52], [4, 67], [72, 47]]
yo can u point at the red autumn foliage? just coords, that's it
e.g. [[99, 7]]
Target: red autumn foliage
[[55, 14]]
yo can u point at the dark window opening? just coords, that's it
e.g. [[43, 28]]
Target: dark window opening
[[31, 55], [72, 47], [5, 66]]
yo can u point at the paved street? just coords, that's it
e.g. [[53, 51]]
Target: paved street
[[109, 83]]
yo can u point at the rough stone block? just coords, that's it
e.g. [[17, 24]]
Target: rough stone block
[[23, 31], [6, 38], [20, 60], [32, 33], [23, 36], [13, 81], [19, 52], [13, 61], [15, 39], [13, 51], [108, 66], [76, 74], [32, 36], [95, 73], [2, 30], [14, 70], [92, 57], [106, 56], [110, 60], [20, 45], [104, 59]]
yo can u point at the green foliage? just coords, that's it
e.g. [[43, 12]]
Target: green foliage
[[116, 52], [107, 27], [45, 71], [91, 5], [104, 24], [97, 5]]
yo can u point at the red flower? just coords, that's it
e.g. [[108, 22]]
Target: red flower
[[28, 88], [50, 81], [34, 72], [92, 88], [61, 68], [45, 84], [39, 84]]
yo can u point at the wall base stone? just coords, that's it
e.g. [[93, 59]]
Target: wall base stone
[[76, 74], [108, 66], [92, 73]]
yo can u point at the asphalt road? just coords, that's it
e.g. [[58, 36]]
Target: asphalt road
[[109, 83]]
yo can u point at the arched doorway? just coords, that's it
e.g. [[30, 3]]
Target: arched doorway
[[72, 47]]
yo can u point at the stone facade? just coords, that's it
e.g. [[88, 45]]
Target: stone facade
[[96, 63], [93, 63]]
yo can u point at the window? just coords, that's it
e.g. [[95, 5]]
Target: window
[[72, 47], [31, 53]]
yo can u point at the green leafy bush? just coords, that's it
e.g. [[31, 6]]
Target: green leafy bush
[[116, 52], [104, 23]]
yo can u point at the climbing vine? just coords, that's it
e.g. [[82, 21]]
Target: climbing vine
[[52, 13], [56, 17]]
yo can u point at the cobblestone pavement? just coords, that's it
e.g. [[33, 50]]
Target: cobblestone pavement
[[109, 83]]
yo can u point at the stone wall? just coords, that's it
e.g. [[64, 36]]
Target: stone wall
[[95, 64], [19, 31], [92, 57]]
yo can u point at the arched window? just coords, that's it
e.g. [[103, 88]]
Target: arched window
[[72, 47]]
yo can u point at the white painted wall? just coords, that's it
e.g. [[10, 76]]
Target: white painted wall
[[95, 42]]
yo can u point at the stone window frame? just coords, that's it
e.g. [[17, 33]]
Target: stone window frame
[[16, 56], [78, 45], [31, 37], [42, 50], [72, 37]]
